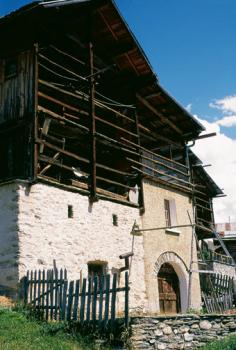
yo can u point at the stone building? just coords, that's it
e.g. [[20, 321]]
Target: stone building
[[95, 158]]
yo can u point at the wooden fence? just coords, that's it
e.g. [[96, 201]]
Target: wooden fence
[[217, 292], [91, 300]]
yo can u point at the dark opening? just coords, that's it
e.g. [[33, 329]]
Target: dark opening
[[70, 211]]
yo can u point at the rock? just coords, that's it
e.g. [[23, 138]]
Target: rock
[[195, 326], [161, 325], [161, 346], [184, 329], [152, 341], [167, 330], [205, 325], [176, 331], [158, 333], [188, 337]]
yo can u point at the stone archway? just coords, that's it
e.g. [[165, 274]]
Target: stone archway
[[182, 272]]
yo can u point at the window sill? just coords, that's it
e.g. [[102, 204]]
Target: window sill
[[173, 231]]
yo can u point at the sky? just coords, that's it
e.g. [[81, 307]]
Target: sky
[[191, 46]]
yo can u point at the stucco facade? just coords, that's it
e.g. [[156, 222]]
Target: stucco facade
[[174, 246]]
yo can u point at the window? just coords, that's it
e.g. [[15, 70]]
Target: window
[[97, 268], [170, 212], [70, 211], [115, 219]]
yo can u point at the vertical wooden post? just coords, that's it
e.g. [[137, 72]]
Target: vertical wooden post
[[93, 185], [35, 121], [126, 299], [141, 193], [113, 301]]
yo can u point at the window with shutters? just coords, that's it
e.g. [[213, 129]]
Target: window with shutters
[[170, 212]]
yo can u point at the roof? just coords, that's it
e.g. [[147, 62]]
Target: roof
[[114, 41]]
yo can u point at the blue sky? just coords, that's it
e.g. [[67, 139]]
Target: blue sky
[[191, 46]]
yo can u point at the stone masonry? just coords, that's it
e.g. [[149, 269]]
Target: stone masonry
[[180, 332]]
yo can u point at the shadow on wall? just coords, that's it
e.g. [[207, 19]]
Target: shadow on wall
[[9, 240]]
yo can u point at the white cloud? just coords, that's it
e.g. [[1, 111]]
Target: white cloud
[[227, 104], [227, 122], [220, 151], [189, 107]]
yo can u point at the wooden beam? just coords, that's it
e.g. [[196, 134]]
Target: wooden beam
[[164, 119], [93, 154]]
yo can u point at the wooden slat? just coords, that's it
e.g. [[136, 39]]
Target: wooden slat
[[47, 295], [89, 299], [56, 293], [51, 294], [76, 300], [101, 289], [70, 301], [94, 305], [82, 305], [64, 301], [113, 301], [126, 299], [43, 292], [107, 300]]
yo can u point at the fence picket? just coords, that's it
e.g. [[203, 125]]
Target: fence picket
[[113, 300], [82, 305], [35, 286], [70, 300], [39, 290], [31, 286], [89, 299], [101, 289], [43, 291], [94, 306], [51, 293], [47, 295], [107, 300], [64, 299], [56, 293], [76, 300], [126, 299]]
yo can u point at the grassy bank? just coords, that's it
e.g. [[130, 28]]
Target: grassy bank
[[17, 332], [229, 343]]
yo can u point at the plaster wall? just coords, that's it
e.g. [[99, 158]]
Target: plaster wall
[[46, 233], [8, 237], [176, 247]]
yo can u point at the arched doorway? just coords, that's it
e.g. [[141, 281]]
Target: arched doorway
[[169, 291]]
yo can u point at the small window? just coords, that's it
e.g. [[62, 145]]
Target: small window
[[170, 212], [70, 211], [97, 268], [115, 219], [10, 68]]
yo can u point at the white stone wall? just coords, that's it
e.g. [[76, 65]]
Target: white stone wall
[[8, 235], [46, 233]]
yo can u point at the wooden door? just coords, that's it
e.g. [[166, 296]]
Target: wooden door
[[168, 286]]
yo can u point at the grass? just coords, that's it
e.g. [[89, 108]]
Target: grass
[[228, 343], [17, 332]]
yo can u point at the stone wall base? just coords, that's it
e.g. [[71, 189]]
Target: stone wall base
[[180, 332]]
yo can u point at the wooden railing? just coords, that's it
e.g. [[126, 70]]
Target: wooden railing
[[94, 299], [217, 292], [216, 257]]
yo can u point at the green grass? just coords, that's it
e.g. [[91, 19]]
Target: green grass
[[17, 332], [229, 343]]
